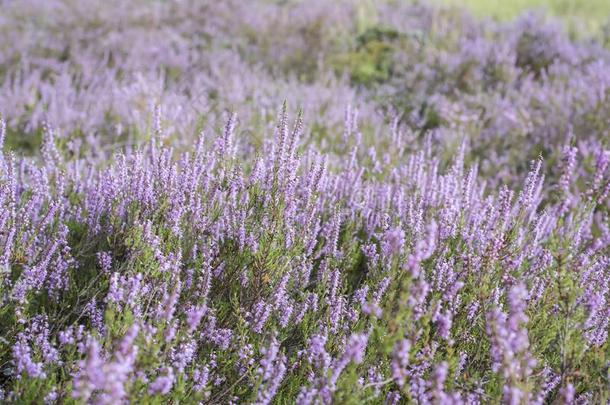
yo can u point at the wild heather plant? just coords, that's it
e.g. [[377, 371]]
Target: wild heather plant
[[305, 277], [433, 228]]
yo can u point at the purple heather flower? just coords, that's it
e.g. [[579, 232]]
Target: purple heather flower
[[201, 378], [193, 317], [261, 313], [510, 344], [106, 378], [163, 383], [423, 250], [569, 161], [438, 381], [353, 352], [104, 261], [183, 355], [2, 134], [393, 398], [392, 241], [400, 361], [567, 394], [272, 370], [22, 358]]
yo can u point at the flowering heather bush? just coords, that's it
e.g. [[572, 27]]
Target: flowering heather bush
[[293, 275], [447, 241]]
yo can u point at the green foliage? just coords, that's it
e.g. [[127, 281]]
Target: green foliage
[[24, 143], [370, 62], [593, 14]]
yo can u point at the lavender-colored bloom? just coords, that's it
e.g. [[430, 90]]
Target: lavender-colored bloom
[[423, 250], [115, 292], [104, 261], [262, 311], [569, 162], [51, 397], [201, 378], [510, 345], [246, 358], [392, 241], [551, 382], [31, 344], [183, 355], [400, 361], [438, 381], [91, 375], [193, 317], [163, 383], [22, 357], [272, 371], [443, 322], [567, 394], [2, 134], [105, 379], [353, 352], [393, 398]]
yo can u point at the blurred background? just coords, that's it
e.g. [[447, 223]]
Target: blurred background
[[513, 79], [577, 14]]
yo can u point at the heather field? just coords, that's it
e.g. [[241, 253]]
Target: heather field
[[303, 202]]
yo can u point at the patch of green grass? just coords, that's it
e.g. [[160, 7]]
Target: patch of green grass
[[590, 15], [24, 143]]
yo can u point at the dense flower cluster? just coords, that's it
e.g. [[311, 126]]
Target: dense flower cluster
[[457, 252]]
